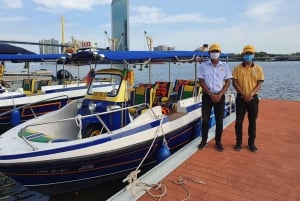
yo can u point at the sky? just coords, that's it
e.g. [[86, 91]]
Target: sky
[[271, 26]]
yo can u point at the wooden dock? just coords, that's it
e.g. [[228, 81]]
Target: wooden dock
[[273, 173]]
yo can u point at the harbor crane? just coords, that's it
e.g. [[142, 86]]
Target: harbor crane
[[114, 43], [149, 41]]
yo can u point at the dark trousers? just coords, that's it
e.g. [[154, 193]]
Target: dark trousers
[[252, 109], [207, 105]]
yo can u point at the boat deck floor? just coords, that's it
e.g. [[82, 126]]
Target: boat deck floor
[[176, 115], [270, 174]]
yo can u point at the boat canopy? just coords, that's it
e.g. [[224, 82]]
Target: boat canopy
[[31, 57], [108, 55], [157, 55]]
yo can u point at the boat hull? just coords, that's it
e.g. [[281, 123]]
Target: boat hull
[[64, 175]]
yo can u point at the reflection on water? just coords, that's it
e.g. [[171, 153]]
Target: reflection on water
[[99, 193], [11, 190], [281, 82]]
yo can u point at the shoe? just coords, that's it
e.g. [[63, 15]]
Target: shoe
[[238, 147], [202, 145], [219, 147], [252, 147]]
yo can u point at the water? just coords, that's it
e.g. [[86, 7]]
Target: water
[[281, 82]]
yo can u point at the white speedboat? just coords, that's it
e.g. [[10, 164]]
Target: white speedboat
[[102, 136]]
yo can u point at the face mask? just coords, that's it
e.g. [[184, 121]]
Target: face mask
[[214, 55], [248, 57]]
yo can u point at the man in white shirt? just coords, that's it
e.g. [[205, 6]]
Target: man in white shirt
[[214, 77]]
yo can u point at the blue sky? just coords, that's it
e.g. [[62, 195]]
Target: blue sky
[[270, 25]]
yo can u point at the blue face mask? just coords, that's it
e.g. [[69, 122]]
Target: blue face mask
[[248, 57]]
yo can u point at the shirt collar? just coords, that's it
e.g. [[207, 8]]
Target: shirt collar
[[244, 65]]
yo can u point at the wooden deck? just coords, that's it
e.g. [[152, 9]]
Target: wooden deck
[[273, 173]]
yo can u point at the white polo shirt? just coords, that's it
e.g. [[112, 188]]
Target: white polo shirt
[[214, 76]]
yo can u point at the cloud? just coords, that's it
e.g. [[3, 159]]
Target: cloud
[[154, 15], [263, 11], [12, 19], [11, 4], [82, 5]]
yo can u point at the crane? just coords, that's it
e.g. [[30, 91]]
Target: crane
[[114, 43], [149, 41]]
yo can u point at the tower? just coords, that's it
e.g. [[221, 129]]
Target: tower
[[119, 24]]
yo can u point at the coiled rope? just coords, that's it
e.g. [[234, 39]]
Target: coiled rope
[[132, 178]]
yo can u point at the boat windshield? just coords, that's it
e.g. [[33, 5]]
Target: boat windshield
[[105, 83]]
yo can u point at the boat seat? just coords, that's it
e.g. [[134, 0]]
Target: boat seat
[[28, 86], [163, 91], [40, 137], [43, 83], [179, 83], [186, 91], [138, 96], [153, 86]]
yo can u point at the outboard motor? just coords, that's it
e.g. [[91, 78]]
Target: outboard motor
[[62, 75]]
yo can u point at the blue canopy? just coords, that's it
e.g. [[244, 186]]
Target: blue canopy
[[30, 57], [156, 55]]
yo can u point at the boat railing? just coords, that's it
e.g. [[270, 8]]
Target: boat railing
[[78, 120], [231, 101], [29, 105]]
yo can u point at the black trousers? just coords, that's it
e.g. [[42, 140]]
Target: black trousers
[[207, 105], [252, 109]]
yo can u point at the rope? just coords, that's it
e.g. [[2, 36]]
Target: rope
[[79, 124], [159, 190], [132, 178], [181, 181]]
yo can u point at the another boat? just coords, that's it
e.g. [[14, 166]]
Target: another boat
[[36, 96], [15, 76], [104, 135]]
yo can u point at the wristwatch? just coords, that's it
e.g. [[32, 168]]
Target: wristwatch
[[210, 93]]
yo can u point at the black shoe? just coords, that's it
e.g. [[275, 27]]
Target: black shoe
[[252, 147], [219, 147], [202, 145], [238, 147]]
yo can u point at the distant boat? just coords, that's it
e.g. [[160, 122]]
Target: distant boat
[[16, 76]]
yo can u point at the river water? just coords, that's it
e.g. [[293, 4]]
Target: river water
[[281, 82]]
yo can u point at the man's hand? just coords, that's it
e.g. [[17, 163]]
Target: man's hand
[[247, 98], [215, 98]]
